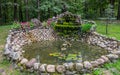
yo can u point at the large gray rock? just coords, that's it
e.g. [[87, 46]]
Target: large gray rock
[[87, 65], [50, 68], [112, 56], [78, 66], [24, 61], [42, 68], [105, 58], [31, 62], [15, 55], [116, 52], [36, 66], [69, 66], [95, 63], [36, 22], [100, 61], [60, 68]]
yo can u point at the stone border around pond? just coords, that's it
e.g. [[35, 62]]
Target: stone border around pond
[[17, 39]]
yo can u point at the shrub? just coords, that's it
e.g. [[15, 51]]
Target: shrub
[[31, 24], [86, 27], [16, 25]]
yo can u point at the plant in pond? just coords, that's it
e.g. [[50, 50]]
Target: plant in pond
[[67, 57]]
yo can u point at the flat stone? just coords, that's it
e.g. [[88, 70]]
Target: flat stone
[[116, 52], [31, 62], [105, 58], [112, 56], [94, 63], [42, 68], [78, 66], [50, 68], [24, 61], [36, 66], [60, 68], [100, 61], [87, 64]]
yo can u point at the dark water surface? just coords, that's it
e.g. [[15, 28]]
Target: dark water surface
[[45, 48]]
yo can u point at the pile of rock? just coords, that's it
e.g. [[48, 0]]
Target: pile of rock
[[109, 44]]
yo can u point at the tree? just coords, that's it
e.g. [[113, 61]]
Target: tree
[[38, 1], [109, 15], [26, 10], [20, 11], [118, 14], [15, 10]]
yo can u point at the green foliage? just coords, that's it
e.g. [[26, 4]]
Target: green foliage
[[86, 27], [97, 72], [16, 25], [31, 24], [52, 24], [44, 24], [66, 29]]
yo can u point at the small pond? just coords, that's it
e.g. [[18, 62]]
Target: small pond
[[51, 52]]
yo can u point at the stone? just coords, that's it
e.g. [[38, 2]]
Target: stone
[[70, 72], [36, 66], [44, 74], [50, 68], [36, 22], [112, 56], [1, 71], [6, 52], [94, 63], [31, 62], [100, 61], [116, 52], [16, 55], [102, 45], [69, 66], [87, 64], [106, 72], [24, 61], [105, 58], [60, 68], [42, 68], [78, 66]]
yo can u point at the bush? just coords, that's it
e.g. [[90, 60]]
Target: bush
[[16, 25], [86, 27], [31, 24]]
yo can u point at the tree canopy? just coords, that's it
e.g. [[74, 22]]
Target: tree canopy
[[24, 10]]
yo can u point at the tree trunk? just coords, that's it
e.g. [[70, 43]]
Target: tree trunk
[[20, 13], [26, 10], [0, 12], [15, 10], [85, 9], [38, 1], [118, 14]]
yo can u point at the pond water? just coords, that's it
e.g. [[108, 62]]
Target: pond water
[[51, 52]]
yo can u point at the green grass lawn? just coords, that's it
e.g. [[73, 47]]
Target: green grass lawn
[[113, 31]]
